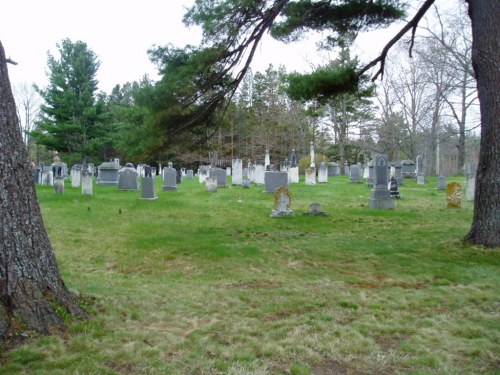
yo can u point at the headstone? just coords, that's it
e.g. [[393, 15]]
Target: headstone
[[59, 184], [355, 174], [275, 180], [369, 180], [398, 174], [267, 161], [128, 178], [471, 169], [203, 173], [408, 169], [87, 183], [441, 183], [228, 171], [315, 210], [347, 170], [38, 175], [245, 184], [211, 184], [148, 188], [293, 159], [259, 175], [75, 175], [420, 180], [48, 178], [393, 188], [220, 175], [237, 172], [311, 176], [282, 203], [140, 170], [454, 195], [293, 170], [169, 178], [381, 198], [313, 162], [178, 176], [470, 190], [190, 174], [323, 172], [333, 169], [366, 171], [108, 173]]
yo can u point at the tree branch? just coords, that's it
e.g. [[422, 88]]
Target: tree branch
[[412, 24]]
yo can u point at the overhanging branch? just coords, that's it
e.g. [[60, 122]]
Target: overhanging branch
[[412, 24]]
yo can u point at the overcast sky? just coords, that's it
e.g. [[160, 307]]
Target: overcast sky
[[120, 32]]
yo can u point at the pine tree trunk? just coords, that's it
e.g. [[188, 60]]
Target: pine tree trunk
[[484, 15], [31, 289]]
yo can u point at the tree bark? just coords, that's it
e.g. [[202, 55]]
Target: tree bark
[[32, 292], [484, 14]]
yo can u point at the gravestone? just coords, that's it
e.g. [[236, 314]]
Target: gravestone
[[259, 174], [333, 169], [366, 171], [190, 174], [369, 180], [203, 173], [251, 172], [471, 169], [313, 162], [454, 195], [148, 188], [381, 197], [87, 183], [282, 203], [75, 175], [108, 173], [228, 171], [211, 184], [471, 187], [441, 183], [398, 173], [355, 174], [267, 161], [237, 172], [408, 169], [220, 175], [47, 178], [128, 178], [323, 172], [315, 210], [59, 184], [393, 188], [347, 170], [420, 179], [311, 176], [275, 180], [169, 178], [245, 184], [293, 175]]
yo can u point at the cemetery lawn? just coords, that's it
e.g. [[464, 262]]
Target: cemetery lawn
[[208, 283]]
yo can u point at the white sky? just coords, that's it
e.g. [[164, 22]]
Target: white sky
[[120, 32]]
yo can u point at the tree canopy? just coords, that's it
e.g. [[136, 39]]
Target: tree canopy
[[71, 113]]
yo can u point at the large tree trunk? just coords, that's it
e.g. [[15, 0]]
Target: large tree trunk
[[484, 15], [32, 292]]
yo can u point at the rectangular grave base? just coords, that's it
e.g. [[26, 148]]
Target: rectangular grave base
[[277, 213], [384, 204]]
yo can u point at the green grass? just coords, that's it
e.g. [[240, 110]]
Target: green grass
[[208, 283]]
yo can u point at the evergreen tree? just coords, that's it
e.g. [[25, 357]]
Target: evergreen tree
[[70, 117]]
